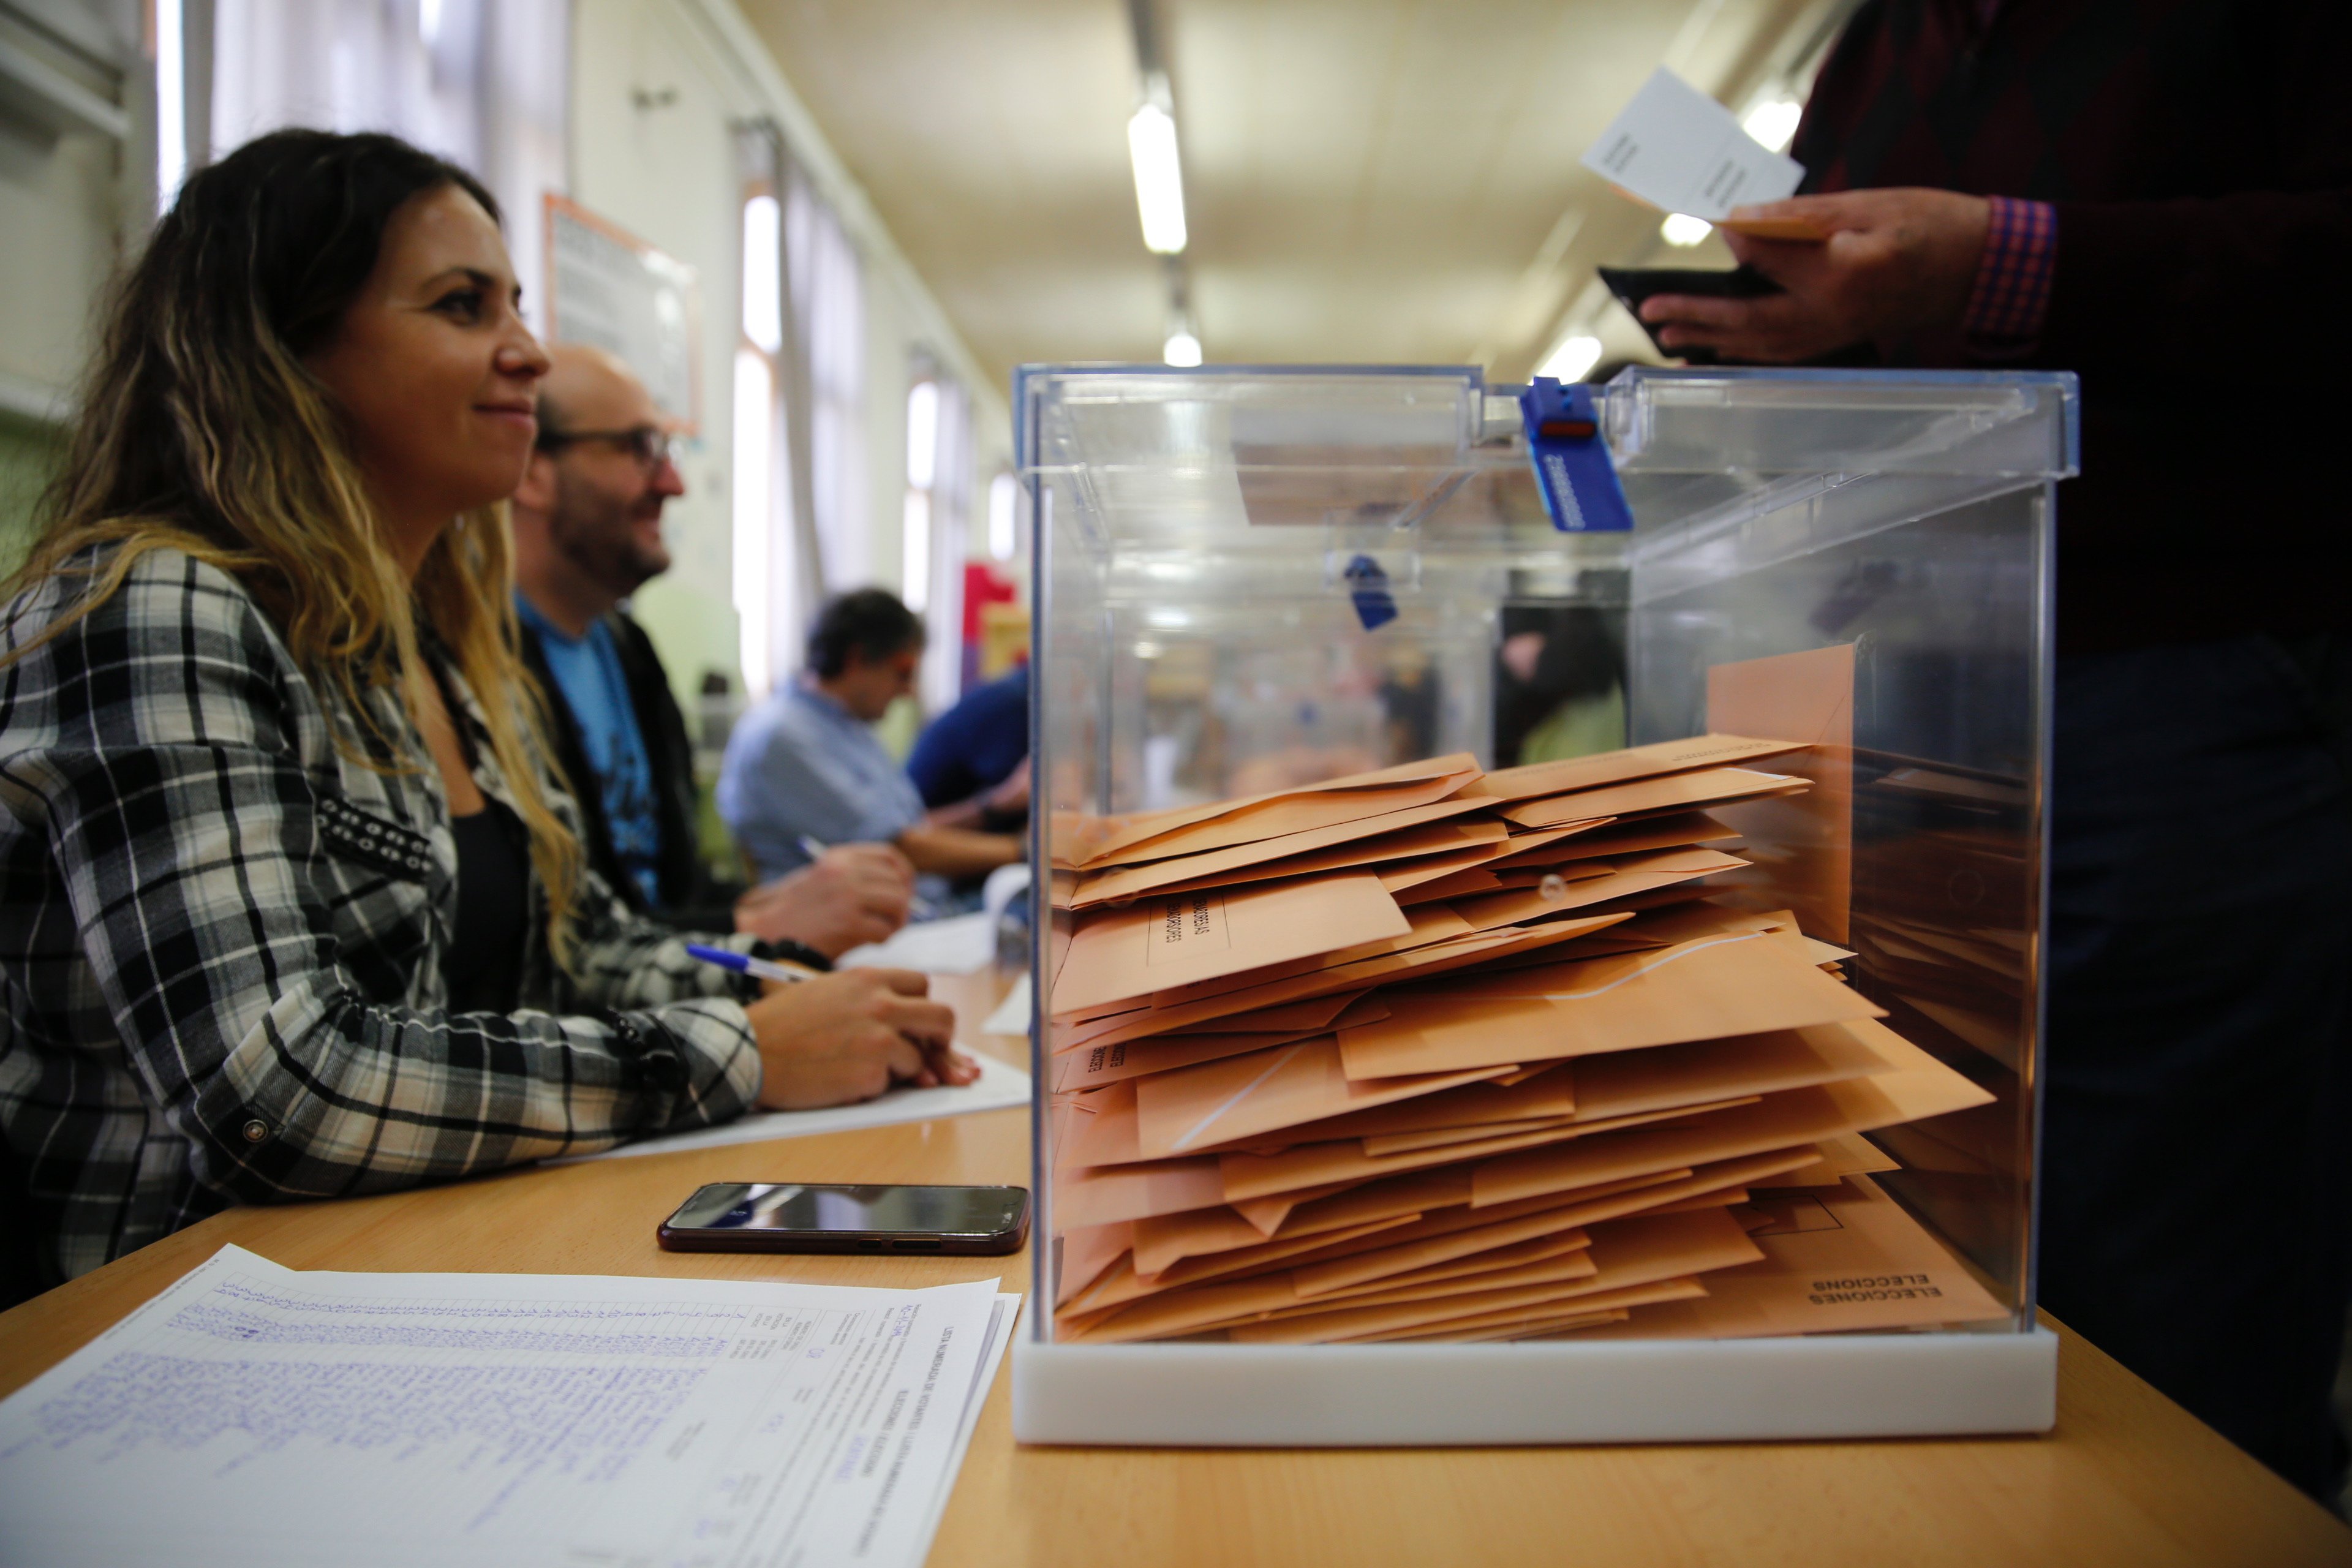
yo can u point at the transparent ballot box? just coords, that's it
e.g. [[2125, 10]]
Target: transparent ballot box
[[1534, 1184]]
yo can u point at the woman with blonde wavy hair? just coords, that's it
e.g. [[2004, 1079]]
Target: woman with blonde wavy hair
[[290, 906]]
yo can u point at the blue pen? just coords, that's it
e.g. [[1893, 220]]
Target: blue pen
[[744, 964]]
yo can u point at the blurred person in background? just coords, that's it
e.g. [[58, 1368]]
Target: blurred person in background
[[293, 909], [970, 765], [804, 773], [587, 535], [2135, 193]]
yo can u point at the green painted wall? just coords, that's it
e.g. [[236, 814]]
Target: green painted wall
[[26, 452]]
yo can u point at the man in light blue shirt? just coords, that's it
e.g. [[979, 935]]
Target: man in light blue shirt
[[804, 771]]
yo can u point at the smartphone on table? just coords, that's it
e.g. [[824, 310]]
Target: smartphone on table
[[808, 1216]]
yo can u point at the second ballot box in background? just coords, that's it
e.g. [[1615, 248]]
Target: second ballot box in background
[[1505, 982]]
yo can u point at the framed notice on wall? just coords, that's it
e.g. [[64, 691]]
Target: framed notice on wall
[[608, 288]]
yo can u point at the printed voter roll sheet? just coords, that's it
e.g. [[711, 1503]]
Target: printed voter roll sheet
[[256, 1415], [1680, 151]]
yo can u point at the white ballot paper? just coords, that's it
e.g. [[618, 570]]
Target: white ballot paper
[[999, 1087], [959, 944], [1679, 150], [1012, 1015], [253, 1415]]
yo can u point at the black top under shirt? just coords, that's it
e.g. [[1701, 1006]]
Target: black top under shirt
[[484, 966]]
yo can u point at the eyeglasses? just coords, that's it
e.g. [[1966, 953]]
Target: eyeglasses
[[650, 446]]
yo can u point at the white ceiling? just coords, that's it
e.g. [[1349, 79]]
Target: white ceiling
[[1365, 180]]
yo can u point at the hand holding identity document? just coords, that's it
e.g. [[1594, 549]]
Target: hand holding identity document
[[1437, 1054]]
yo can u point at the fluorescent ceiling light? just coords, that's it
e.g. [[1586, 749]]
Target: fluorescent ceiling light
[[1181, 349], [1681, 230], [1159, 180], [1774, 123], [1571, 358]]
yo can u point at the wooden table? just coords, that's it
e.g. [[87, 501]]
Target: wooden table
[[2128, 1477]]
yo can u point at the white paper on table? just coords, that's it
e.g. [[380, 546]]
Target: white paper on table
[[999, 1087], [959, 944], [254, 1416], [1679, 150], [1012, 1015], [1005, 884]]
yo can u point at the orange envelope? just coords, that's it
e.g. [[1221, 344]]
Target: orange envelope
[[1121, 1284], [1114, 1193], [1836, 1261], [1464, 1234], [1630, 763], [1267, 1213], [1487, 879], [1163, 1240], [1525, 1328], [1625, 1082], [1850, 1154], [1620, 878], [1220, 823], [1436, 958], [1309, 1164], [1777, 1122], [1492, 852], [1397, 834], [1319, 1013], [1575, 1263], [1413, 874], [1636, 1251], [1226, 1102], [1682, 827], [1676, 792], [1087, 1253], [1559, 1214], [1542, 1249], [1093, 1066], [1549, 1092], [1092, 1069], [1381, 1143], [1427, 927], [1599, 1307], [1275, 1025], [1163, 943], [1736, 985]]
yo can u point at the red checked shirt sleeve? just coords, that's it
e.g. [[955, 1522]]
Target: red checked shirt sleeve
[[2011, 299]]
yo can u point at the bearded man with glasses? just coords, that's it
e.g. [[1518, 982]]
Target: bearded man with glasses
[[588, 534]]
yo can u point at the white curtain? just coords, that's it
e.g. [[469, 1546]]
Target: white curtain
[[828, 291], [484, 83], [950, 507]]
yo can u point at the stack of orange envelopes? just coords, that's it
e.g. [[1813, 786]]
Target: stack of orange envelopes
[[1437, 1054]]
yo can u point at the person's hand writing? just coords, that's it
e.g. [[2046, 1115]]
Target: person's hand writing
[[852, 894], [1897, 262], [849, 1036]]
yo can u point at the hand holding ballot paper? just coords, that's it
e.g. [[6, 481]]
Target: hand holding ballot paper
[[1437, 1054], [1831, 271]]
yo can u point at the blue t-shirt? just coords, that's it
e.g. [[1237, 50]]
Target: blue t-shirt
[[976, 745], [592, 683]]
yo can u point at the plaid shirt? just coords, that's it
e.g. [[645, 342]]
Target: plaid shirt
[[2011, 298], [222, 943]]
